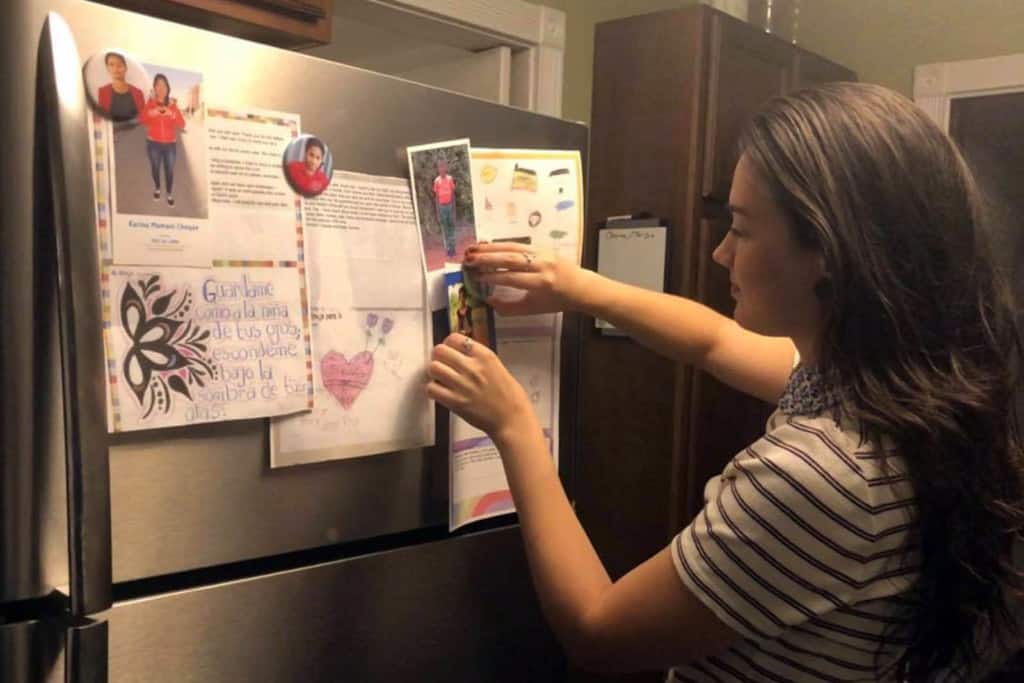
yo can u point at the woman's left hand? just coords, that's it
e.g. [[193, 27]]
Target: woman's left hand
[[469, 379]]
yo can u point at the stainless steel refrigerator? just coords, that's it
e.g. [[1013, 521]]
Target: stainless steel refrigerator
[[179, 554]]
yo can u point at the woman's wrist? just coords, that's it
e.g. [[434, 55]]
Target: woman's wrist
[[516, 427], [586, 293]]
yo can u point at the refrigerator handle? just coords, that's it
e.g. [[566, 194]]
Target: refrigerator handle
[[62, 136], [86, 659]]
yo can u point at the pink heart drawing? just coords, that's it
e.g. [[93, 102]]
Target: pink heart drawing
[[346, 379]]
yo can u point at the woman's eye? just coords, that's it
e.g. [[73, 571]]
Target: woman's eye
[[736, 232]]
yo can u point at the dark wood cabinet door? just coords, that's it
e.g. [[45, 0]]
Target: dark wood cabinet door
[[747, 67], [721, 421], [810, 69], [276, 22]]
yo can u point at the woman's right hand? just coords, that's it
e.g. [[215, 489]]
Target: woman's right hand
[[550, 285]]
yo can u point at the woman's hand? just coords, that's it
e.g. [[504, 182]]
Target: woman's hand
[[468, 378], [550, 285]]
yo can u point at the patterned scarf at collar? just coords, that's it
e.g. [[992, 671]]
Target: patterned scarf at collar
[[807, 393]]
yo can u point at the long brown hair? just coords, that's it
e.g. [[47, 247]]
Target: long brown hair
[[919, 336]]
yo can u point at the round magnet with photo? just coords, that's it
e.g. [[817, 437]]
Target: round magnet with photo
[[308, 165], [116, 83]]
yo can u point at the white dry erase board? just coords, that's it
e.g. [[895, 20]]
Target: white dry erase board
[[635, 256]]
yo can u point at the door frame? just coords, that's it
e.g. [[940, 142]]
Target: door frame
[[938, 84]]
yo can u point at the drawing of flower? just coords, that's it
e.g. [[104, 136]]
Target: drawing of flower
[[168, 352], [385, 328], [371, 319]]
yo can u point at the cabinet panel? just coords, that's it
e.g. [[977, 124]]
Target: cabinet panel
[[746, 68], [275, 22], [810, 69], [648, 72], [722, 420]]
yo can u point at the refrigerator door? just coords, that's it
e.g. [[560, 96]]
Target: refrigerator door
[[183, 499], [425, 613]]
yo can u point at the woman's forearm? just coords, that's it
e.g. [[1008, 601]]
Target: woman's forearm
[[674, 326], [567, 573]]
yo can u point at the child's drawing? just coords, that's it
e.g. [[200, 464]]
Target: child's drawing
[[345, 378]]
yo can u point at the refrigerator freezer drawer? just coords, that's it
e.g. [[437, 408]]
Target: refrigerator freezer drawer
[[456, 610]]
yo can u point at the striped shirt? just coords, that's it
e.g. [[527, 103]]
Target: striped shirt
[[800, 550]]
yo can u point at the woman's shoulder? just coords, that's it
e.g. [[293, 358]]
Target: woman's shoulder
[[826, 464], [835, 440]]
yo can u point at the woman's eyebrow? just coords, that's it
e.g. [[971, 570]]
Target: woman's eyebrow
[[736, 209]]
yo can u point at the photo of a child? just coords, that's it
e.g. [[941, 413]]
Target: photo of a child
[[467, 314], [308, 165], [162, 120], [443, 197]]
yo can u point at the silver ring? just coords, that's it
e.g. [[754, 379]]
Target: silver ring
[[467, 346], [529, 258]]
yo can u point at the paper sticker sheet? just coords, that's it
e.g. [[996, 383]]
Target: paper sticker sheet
[[519, 194]]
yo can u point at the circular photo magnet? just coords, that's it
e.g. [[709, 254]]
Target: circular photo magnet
[[115, 83], [308, 165]]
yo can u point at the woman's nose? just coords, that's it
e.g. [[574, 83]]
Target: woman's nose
[[722, 255]]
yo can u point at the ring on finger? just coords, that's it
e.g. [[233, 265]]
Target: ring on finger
[[529, 258], [467, 346]]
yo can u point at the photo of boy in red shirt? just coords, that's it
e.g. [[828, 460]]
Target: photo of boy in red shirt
[[444, 200], [442, 191]]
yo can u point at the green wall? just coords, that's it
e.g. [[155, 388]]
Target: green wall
[[882, 40]]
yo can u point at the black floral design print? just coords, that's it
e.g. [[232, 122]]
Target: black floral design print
[[169, 353]]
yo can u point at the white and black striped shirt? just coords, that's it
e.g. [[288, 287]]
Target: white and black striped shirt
[[800, 549]]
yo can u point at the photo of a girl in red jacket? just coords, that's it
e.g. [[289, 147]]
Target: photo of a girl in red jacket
[[162, 120]]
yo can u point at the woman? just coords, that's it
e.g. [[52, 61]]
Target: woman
[[121, 100], [867, 535], [162, 119], [307, 176]]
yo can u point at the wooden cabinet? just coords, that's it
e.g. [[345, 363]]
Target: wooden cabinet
[[745, 68], [285, 23], [672, 91], [809, 69]]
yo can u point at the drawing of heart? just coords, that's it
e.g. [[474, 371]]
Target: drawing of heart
[[346, 379]]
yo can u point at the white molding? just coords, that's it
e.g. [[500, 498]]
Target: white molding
[[524, 79], [514, 18], [482, 24], [936, 85], [552, 27], [550, 67]]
